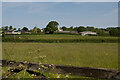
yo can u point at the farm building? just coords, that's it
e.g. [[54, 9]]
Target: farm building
[[88, 32], [59, 29], [72, 32], [26, 32], [42, 30], [12, 32], [0, 32]]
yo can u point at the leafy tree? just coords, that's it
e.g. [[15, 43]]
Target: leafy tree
[[44, 29], [81, 29], [64, 28], [19, 29], [10, 28], [14, 29], [38, 30], [25, 28], [114, 32], [51, 27], [109, 28], [3, 29], [6, 28], [90, 28], [31, 30], [101, 32], [71, 28], [35, 29], [75, 28]]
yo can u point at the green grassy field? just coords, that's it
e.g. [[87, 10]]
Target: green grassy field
[[59, 38], [64, 49], [101, 55]]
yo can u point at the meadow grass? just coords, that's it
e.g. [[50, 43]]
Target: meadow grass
[[59, 38], [101, 55]]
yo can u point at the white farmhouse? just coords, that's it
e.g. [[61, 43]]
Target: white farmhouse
[[88, 32], [60, 29], [12, 32]]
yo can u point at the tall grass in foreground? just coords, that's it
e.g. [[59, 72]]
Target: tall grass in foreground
[[103, 55]]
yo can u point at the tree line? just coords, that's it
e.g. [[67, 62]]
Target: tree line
[[52, 26]]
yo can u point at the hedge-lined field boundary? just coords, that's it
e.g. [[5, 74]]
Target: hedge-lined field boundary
[[55, 38], [62, 40]]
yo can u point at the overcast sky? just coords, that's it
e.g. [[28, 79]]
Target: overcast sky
[[30, 14]]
